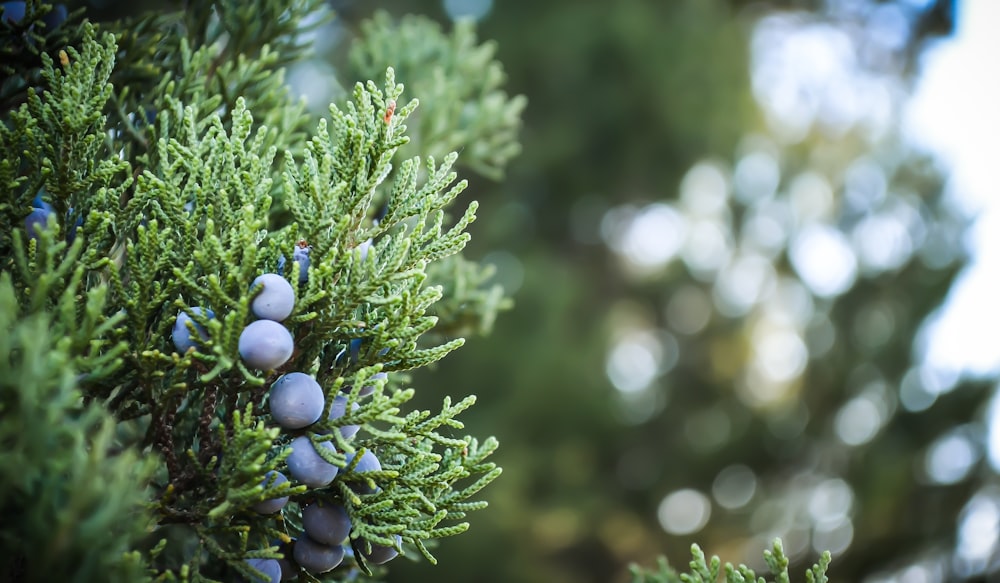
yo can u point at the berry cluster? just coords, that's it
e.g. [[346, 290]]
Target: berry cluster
[[265, 344], [296, 401]]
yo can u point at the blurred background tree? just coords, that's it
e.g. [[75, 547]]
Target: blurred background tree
[[724, 251]]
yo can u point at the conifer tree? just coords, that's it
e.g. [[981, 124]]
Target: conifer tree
[[210, 300]]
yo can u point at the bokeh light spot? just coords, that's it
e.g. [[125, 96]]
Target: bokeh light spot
[[781, 355], [824, 260], [811, 196], [834, 537], [634, 362], [742, 283], [882, 242], [704, 190], [734, 486], [756, 177], [684, 512], [858, 421], [706, 248], [978, 530], [653, 236], [831, 501], [950, 458]]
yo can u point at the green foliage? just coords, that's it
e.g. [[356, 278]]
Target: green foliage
[[702, 571], [184, 211], [60, 460], [472, 114]]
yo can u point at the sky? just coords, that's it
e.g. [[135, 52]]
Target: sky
[[955, 114]]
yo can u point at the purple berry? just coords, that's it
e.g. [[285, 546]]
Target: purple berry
[[315, 557], [379, 554], [71, 235], [367, 463], [55, 17], [301, 256], [288, 569], [36, 222], [268, 567], [364, 248], [337, 410], [272, 505], [327, 524], [367, 389], [182, 334], [38, 202], [296, 401], [307, 466], [265, 345], [13, 12], [275, 301]]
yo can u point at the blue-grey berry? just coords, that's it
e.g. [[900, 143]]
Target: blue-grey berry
[[13, 12], [71, 235], [288, 569], [55, 17], [36, 222], [265, 345], [301, 256], [181, 334], [364, 248], [38, 202], [327, 524], [379, 554], [271, 505], [268, 567], [306, 466], [367, 389], [296, 401], [367, 463], [337, 410], [315, 557], [275, 301]]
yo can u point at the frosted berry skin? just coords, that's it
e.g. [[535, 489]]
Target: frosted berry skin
[[380, 554], [337, 411], [367, 463], [306, 466], [269, 567], [272, 505], [181, 334], [326, 524], [265, 345], [315, 557], [275, 301], [296, 401]]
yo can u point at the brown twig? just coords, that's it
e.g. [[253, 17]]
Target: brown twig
[[205, 444]]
